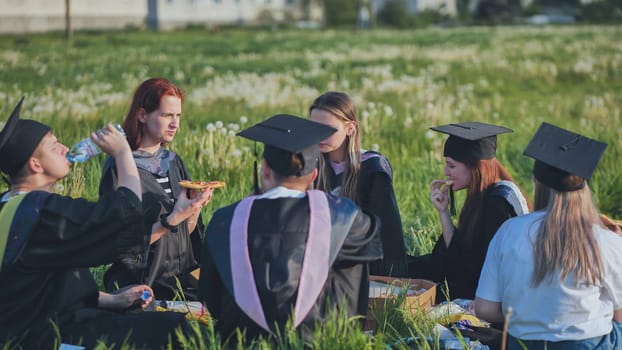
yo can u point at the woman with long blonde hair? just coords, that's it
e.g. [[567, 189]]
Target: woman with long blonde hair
[[492, 197], [557, 268], [364, 176]]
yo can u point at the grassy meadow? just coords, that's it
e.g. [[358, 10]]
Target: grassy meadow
[[403, 82]]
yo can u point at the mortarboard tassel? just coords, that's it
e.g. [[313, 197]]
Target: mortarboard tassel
[[6, 180], [452, 202], [255, 175]]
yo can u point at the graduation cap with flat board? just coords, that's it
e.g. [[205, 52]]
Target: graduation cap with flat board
[[471, 141], [18, 140], [284, 135], [559, 153]]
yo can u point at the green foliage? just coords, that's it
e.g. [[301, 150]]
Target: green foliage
[[603, 11], [341, 13], [403, 82], [395, 13]]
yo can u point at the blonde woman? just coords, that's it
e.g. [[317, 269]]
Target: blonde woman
[[364, 176], [557, 268]]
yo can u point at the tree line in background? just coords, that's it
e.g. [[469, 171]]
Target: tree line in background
[[397, 13]]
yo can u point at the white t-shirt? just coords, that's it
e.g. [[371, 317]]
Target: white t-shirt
[[551, 311]]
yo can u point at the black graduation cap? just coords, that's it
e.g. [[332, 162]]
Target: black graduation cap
[[284, 135], [471, 141], [559, 152], [18, 140]]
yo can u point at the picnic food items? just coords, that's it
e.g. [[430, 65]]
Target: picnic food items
[[199, 185]]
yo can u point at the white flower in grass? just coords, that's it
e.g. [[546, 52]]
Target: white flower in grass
[[430, 134], [233, 126], [231, 133], [219, 124], [224, 131], [243, 119], [371, 105], [388, 110], [365, 114], [179, 75], [236, 153], [375, 147], [408, 122], [210, 127]]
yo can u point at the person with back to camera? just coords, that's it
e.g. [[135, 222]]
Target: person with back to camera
[[289, 248], [492, 197], [152, 122], [48, 242], [363, 176], [557, 268]]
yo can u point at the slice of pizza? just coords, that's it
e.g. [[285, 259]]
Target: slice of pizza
[[199, 185]]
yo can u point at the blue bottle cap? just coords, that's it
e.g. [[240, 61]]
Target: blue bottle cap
[[146, 295]]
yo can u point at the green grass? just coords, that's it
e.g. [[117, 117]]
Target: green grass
[[403, 82]]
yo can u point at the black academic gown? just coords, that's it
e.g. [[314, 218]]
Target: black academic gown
[[173, 256], [277, 235], [461, 262], [46, 278], [376, 196]]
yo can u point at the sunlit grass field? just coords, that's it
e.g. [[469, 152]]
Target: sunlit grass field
[[403, 82]]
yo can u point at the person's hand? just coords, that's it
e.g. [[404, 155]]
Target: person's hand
[[439, 194], [111, 141], [189, 203], [127, 297]]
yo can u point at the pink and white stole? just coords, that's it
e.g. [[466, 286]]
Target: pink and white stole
[[315, 264]]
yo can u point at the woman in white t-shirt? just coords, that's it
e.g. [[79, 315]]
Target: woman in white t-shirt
[[555, 271]]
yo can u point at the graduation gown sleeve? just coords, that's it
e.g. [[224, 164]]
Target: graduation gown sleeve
[[377, 197], [49, 277]]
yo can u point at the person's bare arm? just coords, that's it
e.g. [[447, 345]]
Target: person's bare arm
[[113, 143], [488, 310]]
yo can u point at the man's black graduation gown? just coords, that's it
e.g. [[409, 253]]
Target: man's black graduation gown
[[461, 263], [278, 236], [376, 196], [45, 276], [174, 255]]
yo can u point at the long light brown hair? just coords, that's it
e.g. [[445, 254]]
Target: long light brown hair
[[147, 96], [565, 240], [484, 173], [341, 106]]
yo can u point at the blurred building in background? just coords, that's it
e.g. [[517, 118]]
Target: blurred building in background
[[445, 7], [26, 16]]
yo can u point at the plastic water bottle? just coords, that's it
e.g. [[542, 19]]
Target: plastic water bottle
[[86, 148]]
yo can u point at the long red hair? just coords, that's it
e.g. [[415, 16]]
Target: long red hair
[[147, 97], [484, 173]]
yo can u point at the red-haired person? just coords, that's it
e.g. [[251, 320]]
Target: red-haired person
[[363, 176], [151, 123], [492, 197], [49, 241], [557, 268]]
